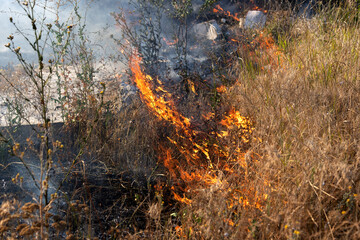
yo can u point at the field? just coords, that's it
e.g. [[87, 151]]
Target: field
[[268, 150]]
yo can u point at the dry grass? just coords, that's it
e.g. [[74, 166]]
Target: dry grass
[[305, 153], [307, 119], [304, 156]]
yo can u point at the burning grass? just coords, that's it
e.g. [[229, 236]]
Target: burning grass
[[300, 178], [307, 118], [274, 156], [201, 161]]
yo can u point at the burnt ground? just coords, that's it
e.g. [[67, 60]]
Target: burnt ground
[[116, 198]]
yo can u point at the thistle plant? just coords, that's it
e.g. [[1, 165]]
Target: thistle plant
[[54, 45]]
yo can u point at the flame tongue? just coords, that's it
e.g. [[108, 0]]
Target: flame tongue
[[219, 9], [163, 109], [196, 152]]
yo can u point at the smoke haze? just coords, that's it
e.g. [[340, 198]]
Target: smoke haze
[[96, 14]]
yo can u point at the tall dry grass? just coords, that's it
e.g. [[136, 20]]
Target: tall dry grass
[[306, 114]]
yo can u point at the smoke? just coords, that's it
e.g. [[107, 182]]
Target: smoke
[[95, 14]]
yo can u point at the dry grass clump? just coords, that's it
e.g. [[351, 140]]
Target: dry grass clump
[[27, 221], [307, 116], [123, 140], [19, 221], [306, 113]]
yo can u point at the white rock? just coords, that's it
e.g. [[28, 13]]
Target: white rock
[[241, 22], [255, 19], [209, 30]]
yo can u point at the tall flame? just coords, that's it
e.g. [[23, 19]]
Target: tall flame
[[195, 167], [162, 108]]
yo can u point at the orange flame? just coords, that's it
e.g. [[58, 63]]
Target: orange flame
[[182, 199], [162, 108], [193, 169], [261, 50], [219, 9], [170, 43], [221, 89], [256, 8]]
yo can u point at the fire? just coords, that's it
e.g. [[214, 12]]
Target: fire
[[271, 54], [221, 89], [182, 199], [169, 43], [256, 8], [197, 160], [220, 10], [261, 50], [162, 108], [264, 41], [235, 118]]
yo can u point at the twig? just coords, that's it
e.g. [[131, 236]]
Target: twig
[[327, 219], [322, 191]]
